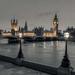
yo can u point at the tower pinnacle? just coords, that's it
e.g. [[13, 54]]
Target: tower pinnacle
[[14, 23], [55, 26]]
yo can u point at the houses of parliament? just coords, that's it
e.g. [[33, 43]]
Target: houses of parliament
[[36, 32]]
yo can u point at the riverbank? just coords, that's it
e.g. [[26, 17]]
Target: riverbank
[[34, 66]]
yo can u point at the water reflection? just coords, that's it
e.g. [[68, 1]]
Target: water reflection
[[48, 53], [33, 44]]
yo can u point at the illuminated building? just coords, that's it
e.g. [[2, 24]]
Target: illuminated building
[[29, 34], [37, 32], [14, 23], [54, 30], [6, 34]]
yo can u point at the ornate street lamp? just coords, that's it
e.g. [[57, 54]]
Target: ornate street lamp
[[20, 54], [65, 67], [66, 62]]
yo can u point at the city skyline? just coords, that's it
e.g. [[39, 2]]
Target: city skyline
[[37, 12]]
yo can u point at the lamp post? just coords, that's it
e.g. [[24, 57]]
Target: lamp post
[[20, 54], [66, 62], [65, 68]]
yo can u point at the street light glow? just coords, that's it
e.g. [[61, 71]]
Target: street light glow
[[20, 35], [66, 35]]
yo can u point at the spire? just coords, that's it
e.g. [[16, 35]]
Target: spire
[[25, 27], [25, 22], [55, 17], [14, 23], [14, 20]]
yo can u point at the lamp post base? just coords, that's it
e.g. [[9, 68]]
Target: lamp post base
[[64, 71]]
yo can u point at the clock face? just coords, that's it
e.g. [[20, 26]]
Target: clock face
[[55, 22]]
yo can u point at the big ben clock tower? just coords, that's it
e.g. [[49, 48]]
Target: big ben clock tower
[[55, 26]]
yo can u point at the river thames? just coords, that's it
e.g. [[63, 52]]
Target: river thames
[[46, 53]]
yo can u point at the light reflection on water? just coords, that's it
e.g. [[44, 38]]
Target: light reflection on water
[[10, 69], [48, 53]]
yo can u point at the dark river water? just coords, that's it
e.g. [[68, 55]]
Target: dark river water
[[47, 53]]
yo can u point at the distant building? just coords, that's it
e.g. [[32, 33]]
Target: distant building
[[29, 34], [14, 24], [14, 27], [54, 29], [1, 31], [26, 27], [39, 31], [71, 31]]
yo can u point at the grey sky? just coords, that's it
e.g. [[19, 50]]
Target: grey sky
[[37, 12]]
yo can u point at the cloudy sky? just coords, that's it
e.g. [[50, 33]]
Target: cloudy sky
[[37, 12]]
